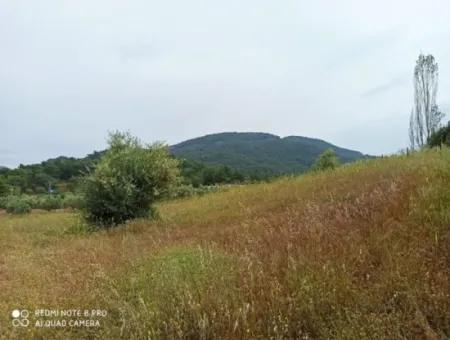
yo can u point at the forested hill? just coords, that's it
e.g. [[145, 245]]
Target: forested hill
[[252, 151], [219, 158]]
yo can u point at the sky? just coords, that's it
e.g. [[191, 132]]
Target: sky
[[342, 71]]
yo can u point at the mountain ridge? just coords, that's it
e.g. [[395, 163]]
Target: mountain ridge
[[259, 151], [245, 151]]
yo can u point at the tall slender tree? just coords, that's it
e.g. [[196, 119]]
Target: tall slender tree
[[425, 117]]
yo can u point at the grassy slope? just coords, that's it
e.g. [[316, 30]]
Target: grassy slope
[[361, 252]]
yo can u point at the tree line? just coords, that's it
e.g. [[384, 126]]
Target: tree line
[[63, 174]]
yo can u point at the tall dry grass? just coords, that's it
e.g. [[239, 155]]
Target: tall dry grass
[[362, 252]]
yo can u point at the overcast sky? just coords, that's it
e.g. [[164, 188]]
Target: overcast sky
[[172, 70]]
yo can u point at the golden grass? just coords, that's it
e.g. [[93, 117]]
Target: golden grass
[[362, 252]]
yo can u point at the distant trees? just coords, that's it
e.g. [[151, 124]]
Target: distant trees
[[198, 174], [64, 174], [38, 178], [4, 189], [425, 116], [127, 180], [327, 160]]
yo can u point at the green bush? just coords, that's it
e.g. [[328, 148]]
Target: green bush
[[45, 202], [440, 137], [128, 180], [48, 202], [32, 200], [72, 201], [16, 205], [327, 160], [3, 201], [4, 189]]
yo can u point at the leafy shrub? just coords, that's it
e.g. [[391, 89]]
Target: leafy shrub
[[72, 201], [128, 179], [3, 201], [10, 200], [16, 205], [48, 202], [327, 160], [440, 137], [45, 202], [4, 189]]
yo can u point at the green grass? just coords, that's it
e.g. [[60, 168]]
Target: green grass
[[186, 287], [361, 252]]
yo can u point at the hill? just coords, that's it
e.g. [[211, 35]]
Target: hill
[[259, 152], [361, 252], [213, 159]]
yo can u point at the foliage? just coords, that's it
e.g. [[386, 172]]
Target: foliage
[[4, 188], [45, 201], [259, 155], [440, 137], [49, 202], [199, 174], [362, 252], [225, 158], [17, 206], [72, 201], [327, 160], [39, 178], [3, 201], [128, 180]]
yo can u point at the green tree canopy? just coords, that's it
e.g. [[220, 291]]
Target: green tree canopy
[[440, 137], [327, 160], [4, 189], [128, 180]]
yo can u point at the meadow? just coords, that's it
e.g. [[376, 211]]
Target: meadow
[[360, 252]]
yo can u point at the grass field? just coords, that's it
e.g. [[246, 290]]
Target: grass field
[[359, 252]]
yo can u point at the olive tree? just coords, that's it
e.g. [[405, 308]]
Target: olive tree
[[129, 178]]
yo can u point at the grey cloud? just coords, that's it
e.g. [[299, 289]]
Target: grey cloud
[[171, 70]]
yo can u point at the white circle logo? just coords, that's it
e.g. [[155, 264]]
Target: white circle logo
[[20, 318]]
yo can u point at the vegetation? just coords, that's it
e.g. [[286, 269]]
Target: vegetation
[[4, 189], [44, 202], [259, 155], [17, 206], [127, 180], [326, 161], [198, 174], [63, 174], [425, 116], [226, 158], [440, 137], [361, 252], [56, 175]]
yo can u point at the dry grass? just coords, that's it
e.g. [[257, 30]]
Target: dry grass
[[360, 252]]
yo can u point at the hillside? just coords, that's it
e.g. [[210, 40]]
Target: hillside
[[361, 252], [213, 159], [249, 152]]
